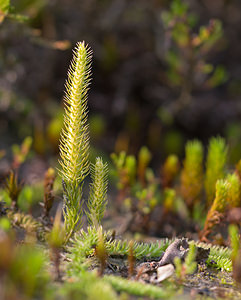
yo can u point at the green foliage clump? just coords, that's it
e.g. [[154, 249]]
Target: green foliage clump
[[137, 288], [215, 166], [148, 197], [98, 190], [136, 180], [23, 269], [26, 221], [219, 257], [6, 10], [192, 173], [188, 52], [87, 285], [84, 241], [125, 170]]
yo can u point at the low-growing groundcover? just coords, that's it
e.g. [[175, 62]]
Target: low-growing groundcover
[[41, 258]]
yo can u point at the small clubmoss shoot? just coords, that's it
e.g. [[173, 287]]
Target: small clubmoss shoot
[[98, 189], [101, 252], [234, 195], [169, 170], [192, 174], [215, 166], [144, 158], [217, 209], [189, 266]]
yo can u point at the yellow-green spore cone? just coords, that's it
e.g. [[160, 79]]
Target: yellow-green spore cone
[[74, 142]]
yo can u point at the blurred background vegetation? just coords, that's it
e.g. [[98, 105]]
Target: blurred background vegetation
[[163, 72]]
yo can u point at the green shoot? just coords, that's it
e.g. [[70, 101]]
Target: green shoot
[[144, 158], [101, 252], [169, 170], [56, 239], [189, 266], [217, 209], [234, 241], [131, 260], [234, 190], [216, 160], [192, 174], [13, 188], [98, 189], [49, 179], [236, 252]]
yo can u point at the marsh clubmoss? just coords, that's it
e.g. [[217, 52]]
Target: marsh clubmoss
[[189, 266], [169, 170], [192, 173], [98, 191], [74, 148], [215, 166], [74, 141], [49, 179], [144, 158], [217, 209], [234, 190], [125, 172]]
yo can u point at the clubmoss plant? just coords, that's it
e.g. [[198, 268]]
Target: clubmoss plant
[[234, 196], [234, 241], [74, 141], [217, 209], [100, 251], [49, 179], [98, 189], [169, 199], [87, 285], [189, 266], [131, 260], [13, 188], [55, 240], [236, 252], [148, 197], [28, 223], [215, 166], [20, 153], [84, 242], [137, 288], [192, 174], [169, 170], [144, 158], [219, 257], [125, 172]]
